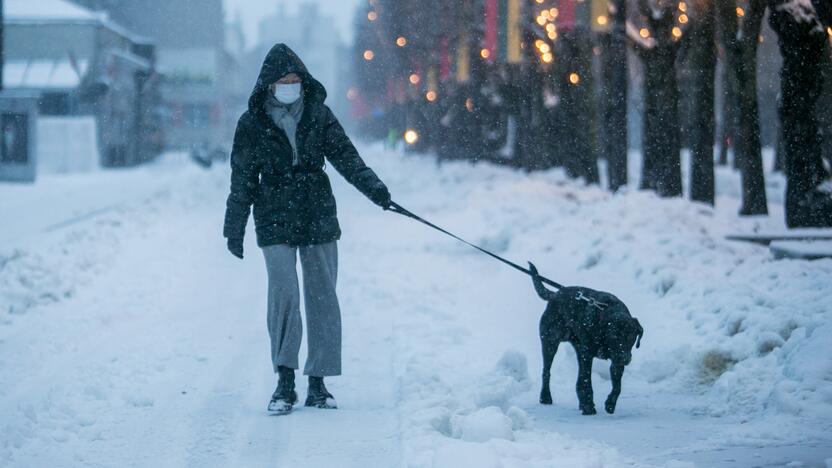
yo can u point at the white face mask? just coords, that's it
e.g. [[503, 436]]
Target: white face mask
[[287, 93]]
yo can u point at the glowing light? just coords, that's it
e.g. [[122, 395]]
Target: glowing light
[[683, 6], [538, 43], [553, 35], [368, 55], [539, 1], [485, 53], [414, 79], [548, 58], [352, 93], [401, 41], [541, 20], [677, 32], [644, 32], [740, 12], [431, 96], [544, 48], [829, 31], [411, 137], [469, 105], [574, 78], [553, 12], [683, 18], [551, 27], [372, 16], [601, 20]]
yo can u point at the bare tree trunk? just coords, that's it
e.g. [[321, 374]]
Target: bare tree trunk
[[576, 93], [661, 168], [617, 105], [749, 154], [726, 19], [703, 61], [802, 41]]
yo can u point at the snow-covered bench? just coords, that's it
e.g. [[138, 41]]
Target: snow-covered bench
[[808, 243]]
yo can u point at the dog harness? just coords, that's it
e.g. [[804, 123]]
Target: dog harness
[[591, 301]]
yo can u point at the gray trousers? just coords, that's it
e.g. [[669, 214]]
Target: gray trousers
[[323, 316]]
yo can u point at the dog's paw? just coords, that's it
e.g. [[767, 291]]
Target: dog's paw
[[545, 398], [588, 410], [609, 405]]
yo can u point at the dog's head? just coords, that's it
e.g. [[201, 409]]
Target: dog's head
[[622, 334]]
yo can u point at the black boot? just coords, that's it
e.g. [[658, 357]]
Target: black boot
[[318, 395], [284, 396]]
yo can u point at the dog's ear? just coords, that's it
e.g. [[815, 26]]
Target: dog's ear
[[639, 331], [533, 269]]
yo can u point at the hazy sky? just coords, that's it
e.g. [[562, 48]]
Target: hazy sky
[[252, 10]]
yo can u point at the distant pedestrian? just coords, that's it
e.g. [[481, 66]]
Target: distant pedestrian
[[277, 165]]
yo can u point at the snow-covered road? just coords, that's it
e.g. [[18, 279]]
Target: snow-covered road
[[132, 338]]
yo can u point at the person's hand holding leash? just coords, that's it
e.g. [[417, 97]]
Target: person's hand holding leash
[[381, 197]]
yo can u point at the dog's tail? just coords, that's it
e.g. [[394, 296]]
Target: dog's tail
[[544, 293]]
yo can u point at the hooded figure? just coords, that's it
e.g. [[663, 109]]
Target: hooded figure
[[277, 165], [293, 203]]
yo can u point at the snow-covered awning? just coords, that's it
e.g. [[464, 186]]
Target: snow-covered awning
[[44, 74], [61, 12], [48, 10]]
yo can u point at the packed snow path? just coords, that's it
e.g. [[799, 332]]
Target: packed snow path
[[130, 337]]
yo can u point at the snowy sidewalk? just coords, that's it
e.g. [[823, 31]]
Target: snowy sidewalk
[[137, 340]]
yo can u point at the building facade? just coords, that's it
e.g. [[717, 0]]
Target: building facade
[[82, 63], [193, 62]]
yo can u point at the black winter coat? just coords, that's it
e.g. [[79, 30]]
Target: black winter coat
[[292, 205]]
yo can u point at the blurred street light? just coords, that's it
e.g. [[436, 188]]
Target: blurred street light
[[411, 137]]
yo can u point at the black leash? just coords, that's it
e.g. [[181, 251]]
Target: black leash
[[396, 208]]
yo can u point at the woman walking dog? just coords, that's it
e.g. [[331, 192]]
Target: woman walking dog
[[277, 165]]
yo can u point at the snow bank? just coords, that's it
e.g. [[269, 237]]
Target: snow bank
[[67, 144], [67, 229]]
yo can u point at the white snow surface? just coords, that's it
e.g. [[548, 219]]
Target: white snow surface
[[130, 337]]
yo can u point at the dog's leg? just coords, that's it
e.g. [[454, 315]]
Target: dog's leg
[[584, 385], [616, 372], [550, 347]]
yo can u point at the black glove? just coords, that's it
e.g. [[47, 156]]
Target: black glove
[[235, 246], [381, 196]]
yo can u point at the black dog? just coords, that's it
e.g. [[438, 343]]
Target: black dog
[[598, 325]]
